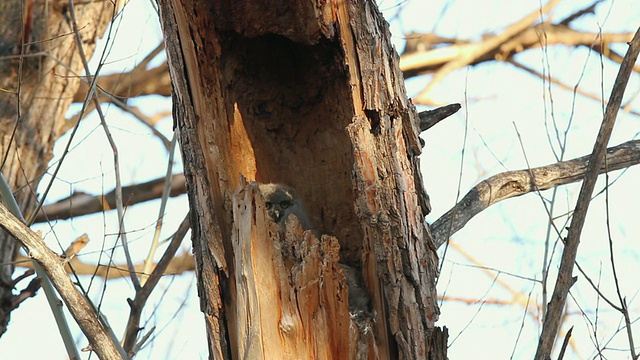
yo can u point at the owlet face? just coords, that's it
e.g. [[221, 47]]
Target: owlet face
[[278, 201]]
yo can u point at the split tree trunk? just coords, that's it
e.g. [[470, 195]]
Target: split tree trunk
[[40, 70], [309, 94]]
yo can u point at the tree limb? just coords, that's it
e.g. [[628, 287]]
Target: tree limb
[[516, 183], [82, 203], [425, 62], [597, 159], [510, 184], [137, 82], [565, 86], [518, 37], [178, 265], [591, 9], [81, 310], [479, 50]]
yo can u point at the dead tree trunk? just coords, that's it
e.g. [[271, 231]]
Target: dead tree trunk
[[40, 70], [308, 94]]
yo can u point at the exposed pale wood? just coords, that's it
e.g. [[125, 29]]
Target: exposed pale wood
[[292, 291], [205, 230]]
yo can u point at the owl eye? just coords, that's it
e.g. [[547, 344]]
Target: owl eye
[[269, 205], [285, 204]]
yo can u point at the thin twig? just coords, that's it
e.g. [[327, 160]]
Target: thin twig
[[591, 9], [116, 164], [161, 212], [137, 304], [565, 278], [563, 85], [623, 302]]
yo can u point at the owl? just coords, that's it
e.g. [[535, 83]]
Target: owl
[[280, 201]]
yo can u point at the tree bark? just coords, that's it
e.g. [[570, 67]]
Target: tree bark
[[308, 94], [39, 75]]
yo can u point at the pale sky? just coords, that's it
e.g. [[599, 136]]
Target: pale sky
[[499, 102]]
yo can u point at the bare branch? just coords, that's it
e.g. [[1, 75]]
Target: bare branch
[[148, 121], [82, 203], [30, 291], [420, 42], [137, 304], [566, 86], [565, 343], [178, 265], [565, 274], [591, 9], [423, 58], [153, 247], [84, 314], [605, 50], [478, 50], [516, 183], [147, 59], [117, 88], [429, 118], [116, 158], [139, 81], [420, 63]]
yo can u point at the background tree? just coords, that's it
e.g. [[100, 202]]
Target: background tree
[[42, 55], [568, 115]]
